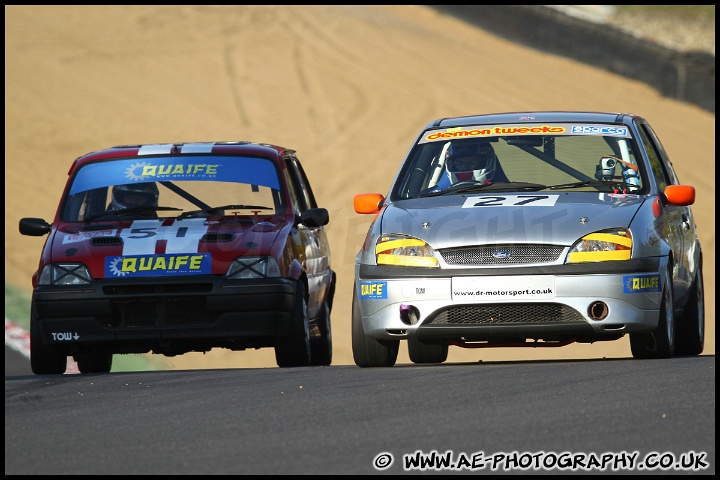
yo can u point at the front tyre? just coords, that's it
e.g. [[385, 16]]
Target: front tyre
[[690, 326], [368, 352], [321, 347], [420, 352], [659, 343], [44, 360], [94, 362], [294, 350]]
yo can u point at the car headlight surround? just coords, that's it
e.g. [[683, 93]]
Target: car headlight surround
[[402, 250], [604, 246], [66, 274], [253, 268]]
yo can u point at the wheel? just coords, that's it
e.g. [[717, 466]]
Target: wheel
[[331, 292], [294, 351], [44, 360], [368, 352], [659, 343], [426, 353], [690, 327], [321, 347], [94, 362]]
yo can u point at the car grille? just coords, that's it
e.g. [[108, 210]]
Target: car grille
[[527, 313], [502, 255], [218, 237], [158, 312], [106, 241]]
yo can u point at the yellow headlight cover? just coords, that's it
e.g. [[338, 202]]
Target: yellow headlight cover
[[404, 251], [606, 246]]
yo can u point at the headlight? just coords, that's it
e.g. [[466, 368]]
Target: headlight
[[608, 245], [404, 251], [253, 267], [65, 274]]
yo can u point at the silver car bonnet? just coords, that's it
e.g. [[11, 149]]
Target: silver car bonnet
[[523, 217]]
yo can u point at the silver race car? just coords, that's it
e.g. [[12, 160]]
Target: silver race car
[[534, 229]]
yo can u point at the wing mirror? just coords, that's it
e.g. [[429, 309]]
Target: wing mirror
[[315, 217], [681, 195], [34, 227], [368, 202]]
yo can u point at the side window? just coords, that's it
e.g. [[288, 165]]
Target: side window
[[307, 191], [83, 205], [658, 165], [663, 155], [292, 186], [301, 186]]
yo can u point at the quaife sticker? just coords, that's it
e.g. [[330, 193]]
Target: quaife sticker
[[157, 265], [373, 290], [239, 169], [641, 283]]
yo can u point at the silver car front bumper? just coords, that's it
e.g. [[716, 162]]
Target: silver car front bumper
[[536, 303]]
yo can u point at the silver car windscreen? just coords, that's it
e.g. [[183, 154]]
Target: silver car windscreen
[[546, 155]]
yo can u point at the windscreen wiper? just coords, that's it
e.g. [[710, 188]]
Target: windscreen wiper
[[214, 210], [469, 186], [594, 183], [129, 210]]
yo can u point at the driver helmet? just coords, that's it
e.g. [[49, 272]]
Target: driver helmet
[[134, 195], [476, 162]]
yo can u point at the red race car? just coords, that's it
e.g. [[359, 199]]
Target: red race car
[[175, 248]]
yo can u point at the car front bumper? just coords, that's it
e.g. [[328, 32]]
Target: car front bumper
[[582, 302], [171, 317]]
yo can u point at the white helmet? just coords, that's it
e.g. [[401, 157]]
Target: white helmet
[[134, 195], [478, 162]]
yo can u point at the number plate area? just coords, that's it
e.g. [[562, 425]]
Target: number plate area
[[503, 289]]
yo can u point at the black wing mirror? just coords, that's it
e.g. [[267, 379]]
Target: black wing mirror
[[315, 217], [34, 227]]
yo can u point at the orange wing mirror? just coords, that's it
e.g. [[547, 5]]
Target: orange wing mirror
[[368, 202], [680, 195]]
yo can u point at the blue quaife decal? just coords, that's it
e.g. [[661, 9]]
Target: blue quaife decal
[[373, 290], [237, 169], [641, 283], [157, 265]]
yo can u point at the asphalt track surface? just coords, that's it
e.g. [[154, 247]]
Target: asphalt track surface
[[341, 419], [16, 363], [362, 81]]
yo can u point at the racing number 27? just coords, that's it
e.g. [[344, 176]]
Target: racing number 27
[[511, 200]]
